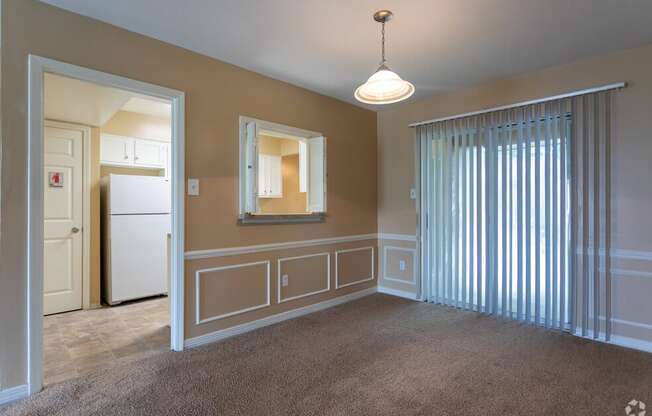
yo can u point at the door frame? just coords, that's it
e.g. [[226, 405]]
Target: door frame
[[86, 204], [37, 66]]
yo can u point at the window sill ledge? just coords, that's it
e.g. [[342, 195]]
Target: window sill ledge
[[250, 219]]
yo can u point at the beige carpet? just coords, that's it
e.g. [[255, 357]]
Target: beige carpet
[[376, 356]]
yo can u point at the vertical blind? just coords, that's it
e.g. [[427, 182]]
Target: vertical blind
[[515, 213]]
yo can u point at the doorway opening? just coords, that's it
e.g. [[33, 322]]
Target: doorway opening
[[106, 221]]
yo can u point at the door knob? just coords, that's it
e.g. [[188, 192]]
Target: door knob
[[75, 230]]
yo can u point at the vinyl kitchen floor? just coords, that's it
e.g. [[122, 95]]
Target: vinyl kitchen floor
[[75, 343]]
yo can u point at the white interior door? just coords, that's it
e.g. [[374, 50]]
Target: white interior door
[[63, 189]]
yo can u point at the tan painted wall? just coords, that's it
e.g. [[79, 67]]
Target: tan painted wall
[[632, 152], [269, 145], [216, 95], [142, 126], [120, 170]]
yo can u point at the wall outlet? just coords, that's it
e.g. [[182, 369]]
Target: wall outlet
[[413, 193], [401, 265], [284, 280], [193, 187]]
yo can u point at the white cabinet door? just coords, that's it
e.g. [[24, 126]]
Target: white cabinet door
[[275, 177], [149, 154], [270, 176], [116, 150]]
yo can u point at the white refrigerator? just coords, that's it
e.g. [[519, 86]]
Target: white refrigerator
[[135, 225]]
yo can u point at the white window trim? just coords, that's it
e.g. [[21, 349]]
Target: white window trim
[[281, 131]]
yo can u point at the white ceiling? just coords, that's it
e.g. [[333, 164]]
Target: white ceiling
[[75, 101], [333, 46]]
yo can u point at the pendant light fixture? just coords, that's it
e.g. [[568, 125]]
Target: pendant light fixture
[[384, 86]]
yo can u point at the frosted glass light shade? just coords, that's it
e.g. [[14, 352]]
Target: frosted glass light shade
[[384, 87]]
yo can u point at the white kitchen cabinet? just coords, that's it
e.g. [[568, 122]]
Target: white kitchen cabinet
[[132, 152], [270, 176], [116, 150], [149, 154]]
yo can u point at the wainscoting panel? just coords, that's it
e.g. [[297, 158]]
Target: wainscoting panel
[[354, 266], [306, 275], [225, 291], [395, 257], [233, 287], [394, 249]]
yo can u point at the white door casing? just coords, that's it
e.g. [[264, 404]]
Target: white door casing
[[63, 219], [37, 67]]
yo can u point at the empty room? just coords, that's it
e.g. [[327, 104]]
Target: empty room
[[290, 207]]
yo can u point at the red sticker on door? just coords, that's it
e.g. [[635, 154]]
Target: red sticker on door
[[55, 179]]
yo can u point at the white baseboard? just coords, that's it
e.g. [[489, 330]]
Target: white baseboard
[[273, 319], [396, 292], [637, 344], [620, 340], [13, 393]]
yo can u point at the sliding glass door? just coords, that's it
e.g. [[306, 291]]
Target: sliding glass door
[[496, 203]]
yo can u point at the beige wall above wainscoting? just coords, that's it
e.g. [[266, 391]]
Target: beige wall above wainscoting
[[631, 154], [216, 95]]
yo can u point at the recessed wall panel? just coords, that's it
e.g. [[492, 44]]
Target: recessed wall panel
[[353, 266], [230, 290], [399, 264], [305, 275]]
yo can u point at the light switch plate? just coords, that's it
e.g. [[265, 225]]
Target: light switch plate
[[413, 193], [401, 265], [193, 187], [284, 280]]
